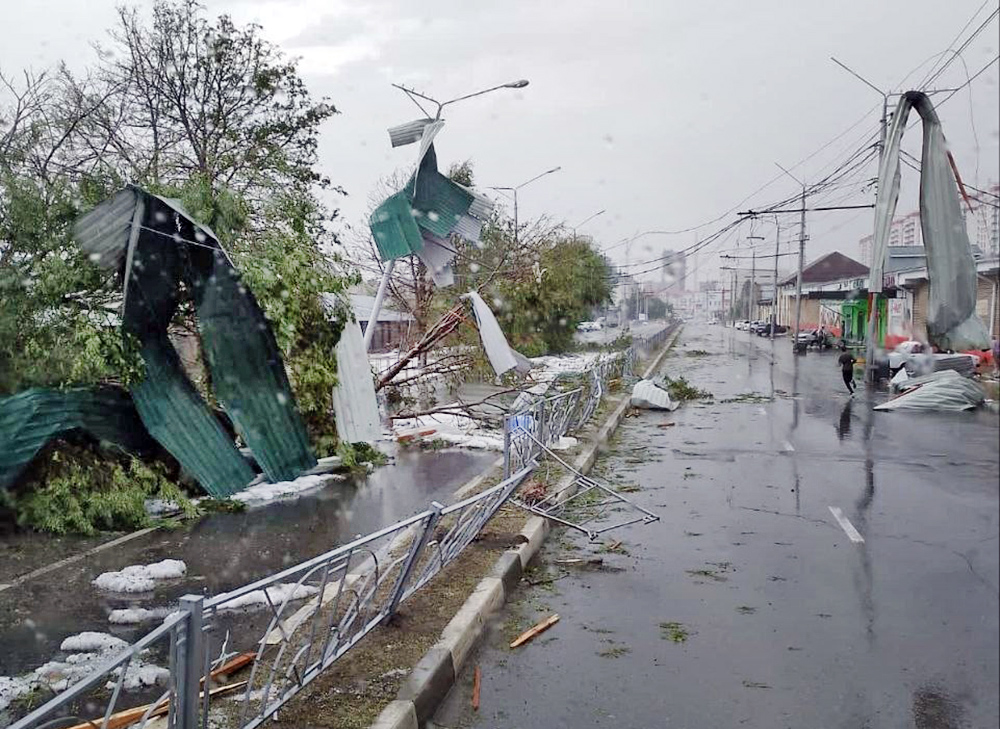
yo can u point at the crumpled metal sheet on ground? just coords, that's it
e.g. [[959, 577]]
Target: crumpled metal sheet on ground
[[939, 391], [31, 418], [649, 396], [952, 322]]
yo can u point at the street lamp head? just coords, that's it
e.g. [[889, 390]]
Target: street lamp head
[[554, 169], [516, 84]]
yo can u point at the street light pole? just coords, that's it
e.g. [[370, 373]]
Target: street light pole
[[387, 273], [441, 104], [513, 191], [587, 220]]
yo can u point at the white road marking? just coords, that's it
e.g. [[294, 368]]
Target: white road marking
[[846, 525], [788, 447]]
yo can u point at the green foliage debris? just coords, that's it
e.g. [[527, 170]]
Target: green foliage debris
[[680, 389], [75, 490], [674, 632]]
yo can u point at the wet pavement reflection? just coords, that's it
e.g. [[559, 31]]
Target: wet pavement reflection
[[786, 620], [225, 550]]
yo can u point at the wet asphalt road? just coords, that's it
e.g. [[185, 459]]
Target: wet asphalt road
[[788, 622], [223, 551]]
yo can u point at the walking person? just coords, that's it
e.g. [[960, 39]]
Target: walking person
[[846, 361]]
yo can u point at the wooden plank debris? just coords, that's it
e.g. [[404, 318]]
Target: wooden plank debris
[[124, 718], [477, 682], [538, 629]]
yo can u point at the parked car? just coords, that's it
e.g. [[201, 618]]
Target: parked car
[[779, 329], [815, 338], [742, 325], [588, 326], [756, 326], [916, 358], [899, 356]]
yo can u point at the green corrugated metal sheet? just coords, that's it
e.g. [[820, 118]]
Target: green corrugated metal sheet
[[440, 202], [395, 231], [177, 417], [247, 373], [30, 419], [170, 258], [429, 202]]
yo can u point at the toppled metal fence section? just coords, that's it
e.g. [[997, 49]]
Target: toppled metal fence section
[[547, 419], [585, 501], [531, 434], [318, 610]]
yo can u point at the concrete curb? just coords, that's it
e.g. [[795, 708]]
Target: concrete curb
[[433, 677]]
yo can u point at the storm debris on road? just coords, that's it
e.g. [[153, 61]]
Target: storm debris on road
[[533, 632]]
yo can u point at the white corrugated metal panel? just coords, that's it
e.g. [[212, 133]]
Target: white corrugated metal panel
[[481, 206], [437, 256], [408, 133], [354, 402], [468, 228], [498, 351]]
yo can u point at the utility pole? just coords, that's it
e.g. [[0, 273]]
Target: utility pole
[[802, 253], [774, 291], [798, 280], [736, 280], [873, 291], [752, 294]]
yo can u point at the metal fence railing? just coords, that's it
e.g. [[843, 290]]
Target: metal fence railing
[[296, 623], [548, 419], [657, 339]]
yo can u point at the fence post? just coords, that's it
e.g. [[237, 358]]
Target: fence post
[[542, 435], [190, 668], [506, 446], [411, 558]]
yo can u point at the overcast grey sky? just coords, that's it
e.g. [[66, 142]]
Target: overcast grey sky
[[664, 113]]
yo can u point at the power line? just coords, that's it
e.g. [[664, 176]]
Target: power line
[[958, 53], [942, 54], [972, 78]]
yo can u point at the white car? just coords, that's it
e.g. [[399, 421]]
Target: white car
[[902, 352], [914, 353]]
